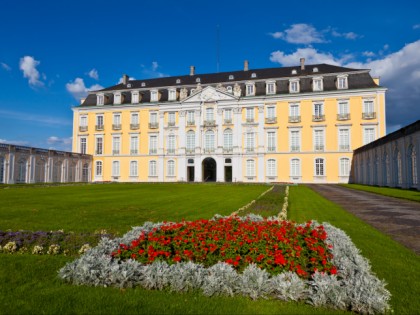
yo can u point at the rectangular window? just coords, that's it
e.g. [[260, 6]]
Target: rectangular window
[[116, 122], [153, 96], [228, 116], [83, 145], [135, 97], [152, 168], [344, 139], [152, 144], [100, 100], [98, 168], [172, 95], [342, 82], [294, 113], [319, 140], [83, 121], [190, 141], [271, 113], [295, 140], [249, 89], [134, 118], [210, 114], [115, 168], [319, 167], [227, 140], [115, 145], [343, 110], [295, 167], [271, 167], [99, 122], [368, 135], [171, 119], [271, 141], [250, 114], [249, 141], [171, 144], [190, 118], [117, 98], [250, 168], [317, 84], [368, 109], [344, 167], [134, 144], [171, 168], [153, 117], [99, 145], [133, 168], [294, 86], [271, 88]]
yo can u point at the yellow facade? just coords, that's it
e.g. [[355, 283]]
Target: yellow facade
[[320, 136]]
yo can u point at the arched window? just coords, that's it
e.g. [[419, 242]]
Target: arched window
[[271, 167], [152, 168], [21, 171], [295, 168], [209, 141], [227, 140], [2, 167], [397, 168], [190, 141], [344, 167], [319, 167], [413, 166], [85, 172], [171, 168], [98, 168], [133, 168], [250, 168]]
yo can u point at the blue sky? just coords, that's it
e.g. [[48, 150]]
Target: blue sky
[[53, 52]]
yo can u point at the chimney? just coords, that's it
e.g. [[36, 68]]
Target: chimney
[[302, 63], [246, 65], [192, 70], [125, 79]]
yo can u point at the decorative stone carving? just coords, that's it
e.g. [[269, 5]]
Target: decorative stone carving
[[183, 94], [261, 109], [182, 113], [237, 90], [220, 87]]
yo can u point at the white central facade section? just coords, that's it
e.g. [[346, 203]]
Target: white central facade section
[[213, 157]]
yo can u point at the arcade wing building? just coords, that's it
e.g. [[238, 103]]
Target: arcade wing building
[[285, 124]]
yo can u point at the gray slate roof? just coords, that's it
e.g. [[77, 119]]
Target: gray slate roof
[[357, 78]]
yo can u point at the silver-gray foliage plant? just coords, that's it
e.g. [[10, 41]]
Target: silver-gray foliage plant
[[355, 287]]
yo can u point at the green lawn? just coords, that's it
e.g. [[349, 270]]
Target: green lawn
[[413, 195], [117, 207], [29, 284], [390, 261]]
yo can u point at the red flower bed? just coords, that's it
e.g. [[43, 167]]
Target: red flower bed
[[275, 246]]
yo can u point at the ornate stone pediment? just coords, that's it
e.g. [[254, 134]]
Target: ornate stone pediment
[[209, 94]]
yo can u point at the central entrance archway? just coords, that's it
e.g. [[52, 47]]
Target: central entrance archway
[[209, 170]]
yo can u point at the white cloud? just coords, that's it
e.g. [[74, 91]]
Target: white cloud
[[78, 89], [152, 71], [415, 27], [368, 53], [300, 34], [57, 143], [348, 35], [129, 79], [94, 74], [311, 55], [28, 65], [5, 66]]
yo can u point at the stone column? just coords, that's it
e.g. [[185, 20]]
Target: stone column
[[219, 139], [198, 170], [198, 144]]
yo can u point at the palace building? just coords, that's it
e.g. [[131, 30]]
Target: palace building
[[285, 124]]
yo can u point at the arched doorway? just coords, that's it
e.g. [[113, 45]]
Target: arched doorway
[[209, 170]]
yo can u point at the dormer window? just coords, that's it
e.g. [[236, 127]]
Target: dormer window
[[294, 86], [317, 84], [100, 99], [134, 97], [198, 80], [178, 81], [342, 82], [172, 95], [229, 89], [153, 95], [294, 71], [117, 98], [315, 69], [271, 87], [253, 75], [250, 89], [143, 84], [129, 85], [231, 77]]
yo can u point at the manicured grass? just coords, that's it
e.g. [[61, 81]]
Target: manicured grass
[[29, 283], [413, 195], [390, 260], [117, 207]]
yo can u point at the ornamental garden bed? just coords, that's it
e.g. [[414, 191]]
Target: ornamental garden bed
[[249, 256]]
